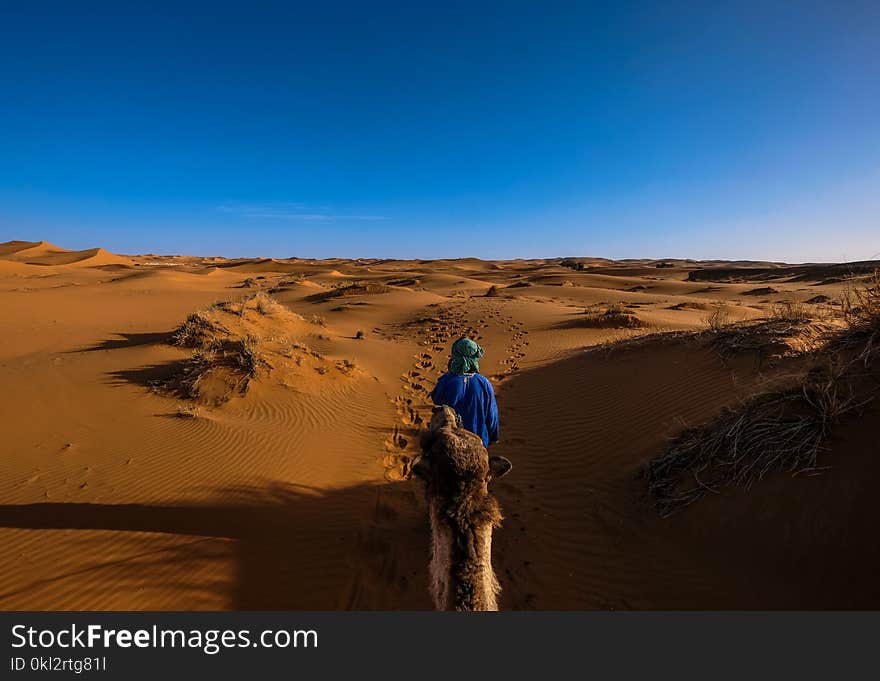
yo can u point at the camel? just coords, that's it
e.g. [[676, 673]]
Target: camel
[[457, 468]]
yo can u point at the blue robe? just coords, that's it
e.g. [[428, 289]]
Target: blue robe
[[472, 397]]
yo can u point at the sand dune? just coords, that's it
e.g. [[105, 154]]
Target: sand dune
[[45, 254], [184, 432], [11, 248]]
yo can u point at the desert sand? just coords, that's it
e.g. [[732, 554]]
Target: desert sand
[[186, 432]]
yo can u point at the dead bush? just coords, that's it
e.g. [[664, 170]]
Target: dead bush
[[718, 317]]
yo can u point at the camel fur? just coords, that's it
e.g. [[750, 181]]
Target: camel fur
[[457, 468]]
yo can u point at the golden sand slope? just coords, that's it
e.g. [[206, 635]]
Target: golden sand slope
[[44, 253], [121, 493]]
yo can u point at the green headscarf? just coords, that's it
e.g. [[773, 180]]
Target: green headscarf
[[465, 357]]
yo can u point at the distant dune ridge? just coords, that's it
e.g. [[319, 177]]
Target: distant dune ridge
[[44, 253], [185, 432]]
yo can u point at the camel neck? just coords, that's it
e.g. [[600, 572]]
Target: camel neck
[[473, 581], [461, 566]]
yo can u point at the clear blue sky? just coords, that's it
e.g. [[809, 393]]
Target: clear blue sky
[[497, 130]]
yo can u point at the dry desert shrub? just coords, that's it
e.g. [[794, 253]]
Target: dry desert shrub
[[234, 342], [782, 430], [777, 431], [789, 329], [572, 264], [613, 317], [770, 339], [718, 317], [287, 282], [356, 288], [198, 328], [266, 305], [860, 305], [218, 371], [187, 411], [791, 311], [346, 366], [204, 326]]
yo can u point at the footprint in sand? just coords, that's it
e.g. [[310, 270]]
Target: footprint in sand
[[413, 399]]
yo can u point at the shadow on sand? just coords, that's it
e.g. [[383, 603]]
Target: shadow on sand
[[292, 547], [148, 376], [129, 340]]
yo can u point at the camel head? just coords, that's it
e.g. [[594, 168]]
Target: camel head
[[452, 456]]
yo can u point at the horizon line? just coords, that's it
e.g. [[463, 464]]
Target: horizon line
[[873, 258]]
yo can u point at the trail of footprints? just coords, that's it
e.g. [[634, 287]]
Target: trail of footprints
[[435, 333], [516, 346], [385, 570]]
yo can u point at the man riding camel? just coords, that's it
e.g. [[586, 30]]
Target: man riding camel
[[468, 392]]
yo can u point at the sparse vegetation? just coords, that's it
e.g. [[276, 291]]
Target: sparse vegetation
[[782, 430], [201, 327], [778, 431], [773, 338], [791, 311], [359, 335], [266, 305], [346, 366], [718, 317], [197, 328], [233, 343], [615, 316], [790, 328], [357, 288], [186, 411], [218, 371], [860, 304], [286, 282]]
